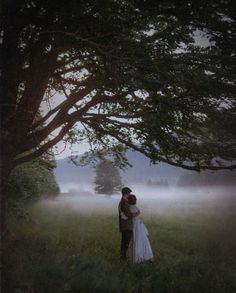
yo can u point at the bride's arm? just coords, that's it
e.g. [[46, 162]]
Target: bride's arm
[[135, 211], [136, 214]]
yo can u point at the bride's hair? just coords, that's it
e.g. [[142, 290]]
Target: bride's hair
[[132, 199]]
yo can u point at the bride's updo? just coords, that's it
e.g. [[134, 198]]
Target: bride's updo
[[132, 199]]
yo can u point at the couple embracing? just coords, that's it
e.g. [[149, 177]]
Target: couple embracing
[[134, 234]]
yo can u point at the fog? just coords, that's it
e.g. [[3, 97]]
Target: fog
[[151, 201]]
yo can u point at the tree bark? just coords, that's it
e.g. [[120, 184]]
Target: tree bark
[[5, 171], [6, 166], [3, 199]]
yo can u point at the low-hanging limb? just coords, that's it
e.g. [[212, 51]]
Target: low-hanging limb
[[157, 158], [72, 99], [37, 137], [42, 149]]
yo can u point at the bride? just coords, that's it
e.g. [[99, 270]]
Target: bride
[[141, 250]]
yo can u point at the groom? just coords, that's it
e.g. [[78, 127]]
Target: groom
[[125, 222]]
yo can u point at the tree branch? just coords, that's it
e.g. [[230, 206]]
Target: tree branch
[[113, 115], [110, 121], [158, 158], [62, 117], [73, 68], [42, 149], [95, 45], [37, 137]]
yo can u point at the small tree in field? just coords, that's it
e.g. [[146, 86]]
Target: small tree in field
[[108, 179]]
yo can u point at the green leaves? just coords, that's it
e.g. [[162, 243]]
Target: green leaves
[[30, 182]]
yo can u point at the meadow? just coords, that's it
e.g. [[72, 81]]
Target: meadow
[[59, 248]]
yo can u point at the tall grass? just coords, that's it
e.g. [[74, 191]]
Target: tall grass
[[59, 251]]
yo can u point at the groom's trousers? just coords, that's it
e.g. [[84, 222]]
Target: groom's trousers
[[125, 240]]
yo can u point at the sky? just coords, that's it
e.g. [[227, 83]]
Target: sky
[[63, 150]]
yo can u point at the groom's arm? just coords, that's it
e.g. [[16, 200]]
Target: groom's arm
[[126, 210]]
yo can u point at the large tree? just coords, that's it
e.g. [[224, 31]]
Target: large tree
[[130, 72]]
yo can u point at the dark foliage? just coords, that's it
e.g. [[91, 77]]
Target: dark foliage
[[131, 72]]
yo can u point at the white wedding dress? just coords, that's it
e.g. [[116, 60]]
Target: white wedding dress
[[142, 250]]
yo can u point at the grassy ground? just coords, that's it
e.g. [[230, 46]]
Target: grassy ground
[[59, 251]]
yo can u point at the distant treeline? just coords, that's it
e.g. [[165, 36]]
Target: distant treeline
[[158, 182], [208, 178]]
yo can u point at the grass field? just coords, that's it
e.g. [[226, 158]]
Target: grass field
[[63, 250]]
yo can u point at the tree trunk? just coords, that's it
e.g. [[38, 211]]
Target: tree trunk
[[6, 166], [5, 171], [3, 192]]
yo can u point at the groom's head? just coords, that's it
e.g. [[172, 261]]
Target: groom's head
[[126, 191]]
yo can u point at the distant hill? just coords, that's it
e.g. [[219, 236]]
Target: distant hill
[[144, 173], [67, 172], [141, 172]]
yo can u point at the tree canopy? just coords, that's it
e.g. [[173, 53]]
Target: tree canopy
[[135, 73]]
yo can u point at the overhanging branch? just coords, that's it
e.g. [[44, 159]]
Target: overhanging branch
[[130, 144], [42, 149]]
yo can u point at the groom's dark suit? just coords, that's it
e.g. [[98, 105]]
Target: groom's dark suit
[[126, 227]]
